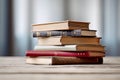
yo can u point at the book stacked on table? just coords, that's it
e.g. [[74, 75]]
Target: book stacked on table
[[68, 42]]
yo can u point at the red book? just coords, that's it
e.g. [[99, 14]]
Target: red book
[[34, 53]]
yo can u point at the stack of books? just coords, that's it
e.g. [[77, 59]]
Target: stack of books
[[68, 42]]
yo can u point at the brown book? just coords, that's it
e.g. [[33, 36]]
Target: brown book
[[60, 40], [65, 25], [63, 60], [80, 47]]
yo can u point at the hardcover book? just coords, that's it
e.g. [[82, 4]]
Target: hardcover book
[[72, 48], [34, 53], [61, 40], [65, 25], [77, 33], [63, 60]]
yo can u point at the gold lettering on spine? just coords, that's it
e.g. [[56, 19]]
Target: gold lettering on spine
[[38, 34], [74, 32], [82, 54], [48, 33], [63, 33]]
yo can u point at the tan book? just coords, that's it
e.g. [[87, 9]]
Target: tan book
[[81, 47], [65, 25], [60, 40], [63, 60]]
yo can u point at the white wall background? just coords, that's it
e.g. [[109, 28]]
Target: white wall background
[[104, 16], [111, 26], [21, 26], [47, 10]]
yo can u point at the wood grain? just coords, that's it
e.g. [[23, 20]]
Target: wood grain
[[16, 68]]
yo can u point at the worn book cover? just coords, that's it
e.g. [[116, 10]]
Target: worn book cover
[[64, 25], [65, 40]]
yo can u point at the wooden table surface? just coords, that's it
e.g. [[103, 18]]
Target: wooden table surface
[[15, 68]]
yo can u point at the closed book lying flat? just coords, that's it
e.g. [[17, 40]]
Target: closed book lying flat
[[72, 48], [34, 53], [61, 40], [65, 25], [63, 60], [89, 33]]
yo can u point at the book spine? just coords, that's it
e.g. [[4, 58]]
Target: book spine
[[56, 33], [59, 53], [75, 60]]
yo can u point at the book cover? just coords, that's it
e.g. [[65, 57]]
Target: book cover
[[65, 25]]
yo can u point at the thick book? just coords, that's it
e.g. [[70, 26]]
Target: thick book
[[72, 48], [67, 40], [65, 25], [63, 60], [34, 53], [89, 33]]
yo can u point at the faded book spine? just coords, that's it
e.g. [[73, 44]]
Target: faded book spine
[[57, 33]]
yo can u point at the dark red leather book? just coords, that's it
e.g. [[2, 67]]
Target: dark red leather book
[[34, 53]]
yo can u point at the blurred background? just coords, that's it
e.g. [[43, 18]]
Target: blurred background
[[17, 16]]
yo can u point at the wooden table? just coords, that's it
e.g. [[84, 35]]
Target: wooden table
[[15, 68]]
